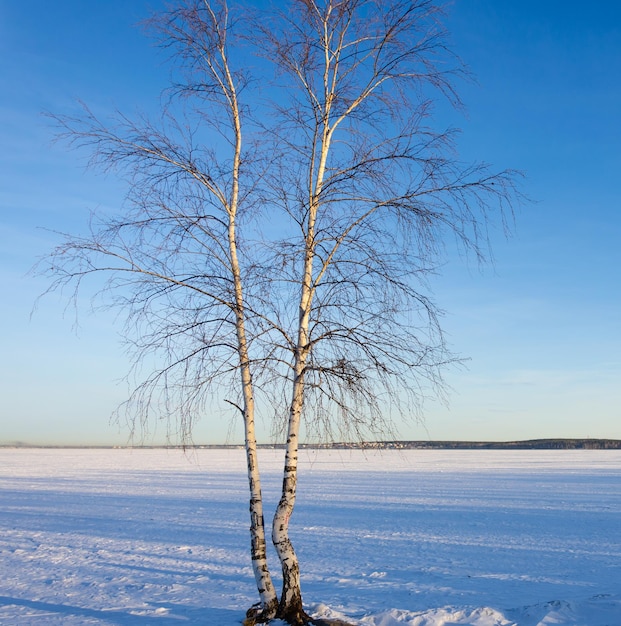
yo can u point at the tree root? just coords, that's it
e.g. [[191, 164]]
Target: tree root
[[294, 616], [257, 615]]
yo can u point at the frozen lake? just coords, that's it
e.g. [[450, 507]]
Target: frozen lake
[[387, 538]]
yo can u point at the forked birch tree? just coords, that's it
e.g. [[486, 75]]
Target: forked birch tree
[[292, 266]]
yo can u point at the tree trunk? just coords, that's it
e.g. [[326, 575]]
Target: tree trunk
[[290, 608], [258, 546]]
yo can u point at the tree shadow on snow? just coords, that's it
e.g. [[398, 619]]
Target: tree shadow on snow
[[178, 614]]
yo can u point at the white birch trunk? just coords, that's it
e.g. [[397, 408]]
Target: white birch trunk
[[290, 608], [258, 546]]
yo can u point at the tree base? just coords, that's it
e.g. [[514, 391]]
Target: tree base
[[256, 614], [295, 616]]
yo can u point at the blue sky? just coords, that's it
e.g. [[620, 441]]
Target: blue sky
[[542, 326]]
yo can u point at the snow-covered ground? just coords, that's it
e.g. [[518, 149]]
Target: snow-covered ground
[[422, 538]]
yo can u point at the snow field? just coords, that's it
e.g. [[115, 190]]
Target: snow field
[[423, 538]]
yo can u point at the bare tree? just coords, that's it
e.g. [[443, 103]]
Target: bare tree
[[173, 257], [372, 191], [292, 267]]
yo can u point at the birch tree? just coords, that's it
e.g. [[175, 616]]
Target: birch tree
[[172, 258], [373, 192], [289, 262]]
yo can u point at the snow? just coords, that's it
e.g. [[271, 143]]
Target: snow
[[385, 538]]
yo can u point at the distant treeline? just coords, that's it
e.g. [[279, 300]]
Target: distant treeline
[[531, 444]]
